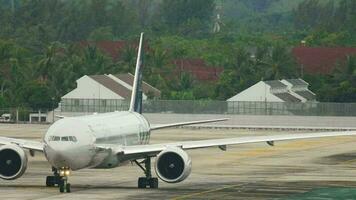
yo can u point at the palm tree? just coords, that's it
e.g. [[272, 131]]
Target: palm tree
[[344, 81], [128, 58], [94, 61], [277, 64], [47, 62]]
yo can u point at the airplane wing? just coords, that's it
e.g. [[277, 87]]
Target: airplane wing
[[162, 126], [154, 149], [26, 144]]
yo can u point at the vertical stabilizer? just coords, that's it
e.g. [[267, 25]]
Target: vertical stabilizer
[[136, 96]]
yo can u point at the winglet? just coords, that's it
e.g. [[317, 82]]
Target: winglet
[[136, 95]]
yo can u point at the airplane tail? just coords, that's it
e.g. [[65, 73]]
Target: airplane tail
[[136, 95]]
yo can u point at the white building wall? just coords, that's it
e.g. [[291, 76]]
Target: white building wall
[[87, 88], [258, 92]]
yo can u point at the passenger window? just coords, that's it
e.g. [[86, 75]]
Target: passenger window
[[64, 139]]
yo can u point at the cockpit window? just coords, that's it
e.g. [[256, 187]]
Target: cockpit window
[[73, 138], [64, 139], [54, 138]]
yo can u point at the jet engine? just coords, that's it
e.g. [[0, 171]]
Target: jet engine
[[13, 162], [173, 165]]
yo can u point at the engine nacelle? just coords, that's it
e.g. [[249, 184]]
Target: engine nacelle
[[13, 162], [173, 165]]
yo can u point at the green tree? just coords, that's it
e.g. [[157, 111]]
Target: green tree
[[156, 67], [95, 62], [278, 63], [187, 16], [101, 34], [307, 14], [13, 65], [343, 82], [128, 58], [47, 62], [37, 95]]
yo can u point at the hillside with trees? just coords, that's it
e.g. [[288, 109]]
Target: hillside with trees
[[41, 56]]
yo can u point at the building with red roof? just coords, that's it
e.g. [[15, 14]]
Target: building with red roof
[[320, 60], [198, 69], [111, 48]]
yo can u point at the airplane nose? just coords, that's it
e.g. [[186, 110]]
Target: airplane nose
[[59, 155], [68, 157], [62, 158]]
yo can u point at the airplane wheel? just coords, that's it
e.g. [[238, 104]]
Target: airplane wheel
[[142, 182], [153, 182], [61, 186], [50, 181], [68, 188]]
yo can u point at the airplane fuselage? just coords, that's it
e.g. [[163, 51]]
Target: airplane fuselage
[[74, 142]]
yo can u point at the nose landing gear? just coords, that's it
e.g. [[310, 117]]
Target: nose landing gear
[[60, 179], [51, 181], [64, 186]]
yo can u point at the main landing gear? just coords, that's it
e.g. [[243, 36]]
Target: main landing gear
[[149, 181], [60, 179]]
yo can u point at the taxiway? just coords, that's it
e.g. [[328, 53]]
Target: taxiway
[[303, 169]]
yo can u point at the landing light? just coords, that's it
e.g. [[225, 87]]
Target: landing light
[[64, 172]]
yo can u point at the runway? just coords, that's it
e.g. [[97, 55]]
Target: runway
[[303, 169]]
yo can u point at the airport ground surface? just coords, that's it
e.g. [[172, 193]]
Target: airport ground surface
[[304, 169]]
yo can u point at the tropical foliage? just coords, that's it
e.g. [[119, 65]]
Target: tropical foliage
[[41, 55]]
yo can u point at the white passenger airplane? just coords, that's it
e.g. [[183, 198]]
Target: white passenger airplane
[[112, 139]]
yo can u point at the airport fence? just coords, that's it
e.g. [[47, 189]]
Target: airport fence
[[86, 106], [26, 115], [213, 107]]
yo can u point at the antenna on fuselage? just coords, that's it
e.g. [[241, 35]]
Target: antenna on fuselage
[[136, 95]]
